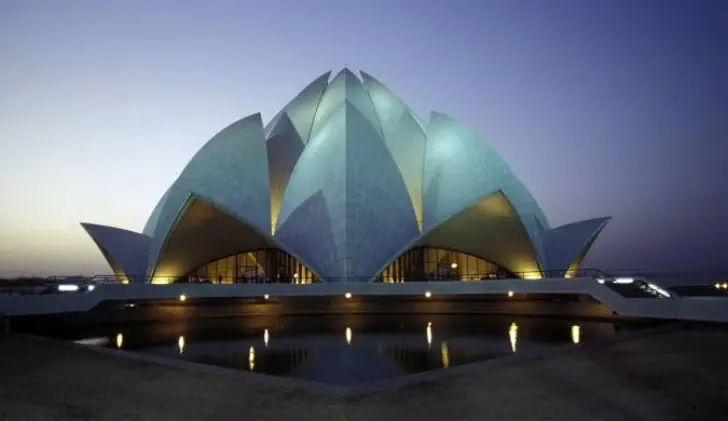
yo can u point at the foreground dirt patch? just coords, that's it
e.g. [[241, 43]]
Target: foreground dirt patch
[[680, 375]]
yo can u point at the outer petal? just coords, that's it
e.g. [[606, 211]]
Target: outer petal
[[461, 168], [125, 251], [567, 245], [230, 171], [489, 229], [203, 232], [403, 136], [151, 224], [302, 109], [309, 233], [366, 200], [284, 147]]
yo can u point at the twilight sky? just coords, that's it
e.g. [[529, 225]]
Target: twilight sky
[[601, 107]]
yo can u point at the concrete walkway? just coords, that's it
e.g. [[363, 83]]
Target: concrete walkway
[[677, 375]]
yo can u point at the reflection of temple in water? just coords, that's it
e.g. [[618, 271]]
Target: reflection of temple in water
[[413, 360], [263, 360]]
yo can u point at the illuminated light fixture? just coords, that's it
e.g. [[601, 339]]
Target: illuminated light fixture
[[600, 281], [119, 340], [91, 287], [513, 336], [428, 334], [623, 281], [295, 275], [532, 275], [266, 337], [725, 285], [181, 344], [510, 294], [718, 286], [575, 334], [347, 295], [454, 265], [68, 288], [183, 297], [659, 290], [428, 294], [266, 296], [251, 358], [348, 335]]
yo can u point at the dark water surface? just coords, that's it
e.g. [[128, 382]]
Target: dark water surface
[[347, 350]]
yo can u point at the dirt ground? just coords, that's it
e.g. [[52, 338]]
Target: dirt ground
[[677, 375]]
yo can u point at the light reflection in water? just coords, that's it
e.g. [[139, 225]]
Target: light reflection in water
[[444, 355], [266, 337], [119, 340], [575, 334], [348, 335], [513, 335], [181, 344], [251, 358], [428, 332]]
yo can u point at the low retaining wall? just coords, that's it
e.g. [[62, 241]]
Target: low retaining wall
[[166, 311]]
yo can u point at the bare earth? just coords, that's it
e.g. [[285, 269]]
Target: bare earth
[[678, 375]]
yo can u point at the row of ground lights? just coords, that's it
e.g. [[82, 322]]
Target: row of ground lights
[[428, 294], [724, 285]]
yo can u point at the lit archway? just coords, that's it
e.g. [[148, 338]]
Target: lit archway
[[425, 263], [265, 265]]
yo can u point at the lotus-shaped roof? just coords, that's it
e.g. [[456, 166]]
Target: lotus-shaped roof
[[345, 178]]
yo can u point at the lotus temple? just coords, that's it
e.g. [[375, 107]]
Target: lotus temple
[[346, 184]]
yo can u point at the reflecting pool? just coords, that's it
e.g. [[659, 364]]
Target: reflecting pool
[[346, 350]]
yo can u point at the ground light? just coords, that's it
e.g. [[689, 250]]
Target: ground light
[[510, 294], [266, 296], [575, 334], [428, 294], [183, 297], [347, 295]]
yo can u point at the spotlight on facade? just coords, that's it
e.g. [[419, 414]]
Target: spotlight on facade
[[428, 294], [266, 296], [183, 298], [347, 295], [510, 294]]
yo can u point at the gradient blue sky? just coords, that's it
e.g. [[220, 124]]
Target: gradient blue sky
[[601, 107]]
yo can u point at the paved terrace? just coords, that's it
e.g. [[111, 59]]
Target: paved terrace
[[675, 307], [674, 374]]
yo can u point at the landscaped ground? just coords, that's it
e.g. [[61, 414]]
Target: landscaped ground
[[678, 375]]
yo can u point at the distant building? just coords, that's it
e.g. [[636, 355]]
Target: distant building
[[345, 184]]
